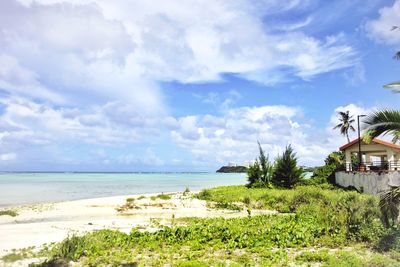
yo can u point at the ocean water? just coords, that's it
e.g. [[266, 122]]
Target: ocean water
[[29, 188]]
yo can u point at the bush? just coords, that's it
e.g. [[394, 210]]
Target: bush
[[286, 173], [260, 173], [323, 174], [11, 213]]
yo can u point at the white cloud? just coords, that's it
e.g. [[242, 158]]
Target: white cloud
[[380, 28], [8, 156], [233, 137], [122, 47], [27, 123], [88, 72]]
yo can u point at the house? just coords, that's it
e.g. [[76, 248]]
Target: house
[[378, 155], [378, 171]]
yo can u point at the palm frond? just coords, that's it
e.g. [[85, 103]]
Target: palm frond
[[395, 87], [383, 122], [397, 55]]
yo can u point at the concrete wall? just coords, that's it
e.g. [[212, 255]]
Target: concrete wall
[[369, 182]]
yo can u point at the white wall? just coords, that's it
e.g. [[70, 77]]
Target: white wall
[[368, 182]]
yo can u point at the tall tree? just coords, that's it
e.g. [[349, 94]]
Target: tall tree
[[383, 122], [345, 124], [266, 166], [259, 174], [286, 172]]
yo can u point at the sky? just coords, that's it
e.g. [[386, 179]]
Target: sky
[[168, 85]]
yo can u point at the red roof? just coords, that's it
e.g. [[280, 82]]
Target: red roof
[[375, 140]]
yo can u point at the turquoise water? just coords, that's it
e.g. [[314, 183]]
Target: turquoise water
[[28, 188]]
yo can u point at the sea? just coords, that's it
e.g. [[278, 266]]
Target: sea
[[31, 188]]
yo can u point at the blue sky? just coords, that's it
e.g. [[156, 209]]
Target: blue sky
[[97, 85]]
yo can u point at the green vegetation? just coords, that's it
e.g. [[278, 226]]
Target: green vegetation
[[20, 254], [260, 173], [286, 172], [317, 224], [130, 199], [11, 213], [232, 169], [345, 124], [161, 196], [326, 174], [383, 122], [389, 204], [186, 191], [283, 173]]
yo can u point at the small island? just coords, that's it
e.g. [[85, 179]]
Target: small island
[[232, 169]]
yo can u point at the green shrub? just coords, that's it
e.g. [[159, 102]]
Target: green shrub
[[161, 196], [260, 173], [318, 218], [313, 256], [286, 173], [227, 205], [11, 213]]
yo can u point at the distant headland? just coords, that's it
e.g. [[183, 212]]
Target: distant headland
[[232, 169]]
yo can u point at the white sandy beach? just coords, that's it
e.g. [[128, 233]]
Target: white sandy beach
[[38, 224]]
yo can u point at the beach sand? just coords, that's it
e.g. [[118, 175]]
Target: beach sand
[[38, 224]]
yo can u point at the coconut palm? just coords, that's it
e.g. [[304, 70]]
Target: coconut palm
[[389, 205], [383, 122], [345, 124]]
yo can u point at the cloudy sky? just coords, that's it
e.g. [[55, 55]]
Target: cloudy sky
[[186, 85]]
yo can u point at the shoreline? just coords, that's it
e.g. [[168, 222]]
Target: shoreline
[[42, 223], [39, 224]]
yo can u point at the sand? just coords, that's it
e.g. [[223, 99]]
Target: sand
[[39, 224]]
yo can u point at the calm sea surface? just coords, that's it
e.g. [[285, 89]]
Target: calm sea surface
[[27, 188]]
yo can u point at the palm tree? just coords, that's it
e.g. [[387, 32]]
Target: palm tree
[[345, 124], [389, 205], [383, 122]]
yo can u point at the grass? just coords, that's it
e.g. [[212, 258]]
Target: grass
[[224, 205], [11, 213], [304, 235], [17, 255], [161, 196]]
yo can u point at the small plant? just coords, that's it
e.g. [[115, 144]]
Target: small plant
[[204, 194], [141, 197], [227, 206], [161, 196], [11, 213], [247, 200], [130, 199], [187, 191]]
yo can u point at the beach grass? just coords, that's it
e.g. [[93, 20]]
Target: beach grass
[[315, 226], [161, 196], [8, 212]]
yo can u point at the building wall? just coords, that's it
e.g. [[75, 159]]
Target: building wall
[[368, 182]]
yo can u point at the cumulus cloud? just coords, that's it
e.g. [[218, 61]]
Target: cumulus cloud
[[77, 72], [86, 41], [8, 156], [233, 136], [380, 29], [27, 123], [211, 139]]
